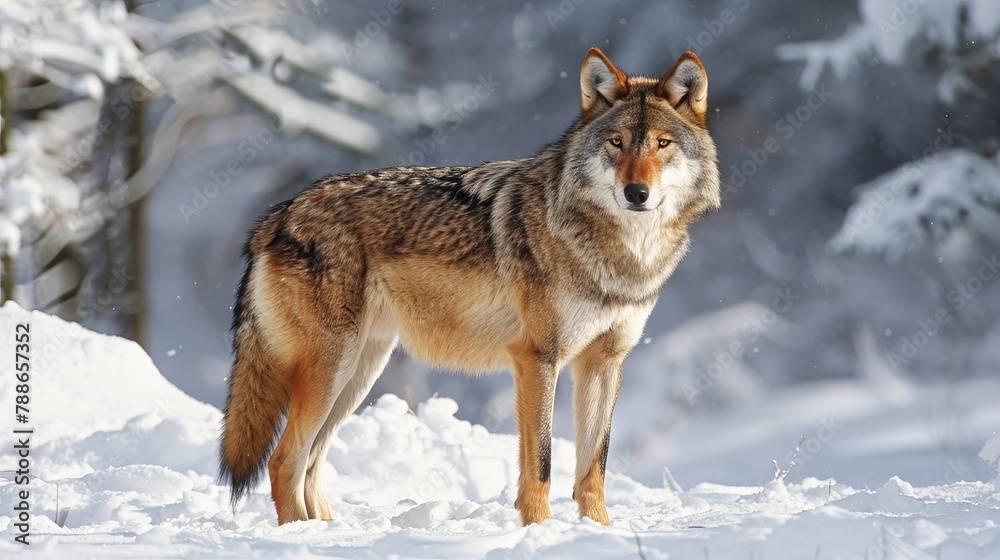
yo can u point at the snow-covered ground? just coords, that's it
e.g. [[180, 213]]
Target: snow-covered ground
[[131, 459]]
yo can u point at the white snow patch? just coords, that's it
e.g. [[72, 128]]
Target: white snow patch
[[137, 479], [991, 453]]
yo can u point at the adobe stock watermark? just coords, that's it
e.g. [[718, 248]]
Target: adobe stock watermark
[[43, 15], [54, 346], [247, 150], [713, 28], [900, 15], [123, 444], [752, 329], [369, 31], [222, 8], [958, 297], [50, 348], [811, 446], [443, 477], [890, 544], [885, 196], [99, 302], [121, 107], [452, 118], [955, 471], [785, 127], [563, 11]]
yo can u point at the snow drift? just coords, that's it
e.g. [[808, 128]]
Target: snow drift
[[132, 461]]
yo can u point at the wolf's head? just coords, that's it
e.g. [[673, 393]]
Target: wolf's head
[[641, 146]]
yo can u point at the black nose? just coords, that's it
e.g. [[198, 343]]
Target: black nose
[[636, 193]]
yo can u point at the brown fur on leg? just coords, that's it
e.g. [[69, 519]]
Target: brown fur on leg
[[371, 362], [316, 506], [534, 385], [589, 492], [311, 403]]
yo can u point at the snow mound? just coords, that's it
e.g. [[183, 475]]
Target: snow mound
[[83, 383], [129, 460], [895, 497], [376, 451]]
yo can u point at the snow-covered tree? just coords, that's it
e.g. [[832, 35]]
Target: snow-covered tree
[[945, 201], [960, 39], [96, 97], [921, 203]]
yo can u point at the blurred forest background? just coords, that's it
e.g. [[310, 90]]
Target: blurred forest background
[[858, 141]]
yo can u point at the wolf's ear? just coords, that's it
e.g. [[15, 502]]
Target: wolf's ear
[[600, 81], [686, 88]]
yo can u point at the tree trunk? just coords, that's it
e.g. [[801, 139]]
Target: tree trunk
[[7, 278]]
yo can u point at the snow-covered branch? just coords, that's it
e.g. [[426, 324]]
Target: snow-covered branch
[[921, 202], [964, 35]]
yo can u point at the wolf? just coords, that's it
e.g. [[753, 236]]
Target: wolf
[[529, 265]]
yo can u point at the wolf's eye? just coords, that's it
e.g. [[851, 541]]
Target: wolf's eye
[[664, 142], [615, 141]]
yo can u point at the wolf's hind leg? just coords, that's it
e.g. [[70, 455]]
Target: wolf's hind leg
[[311, 401], [370, 364], [326, 357]]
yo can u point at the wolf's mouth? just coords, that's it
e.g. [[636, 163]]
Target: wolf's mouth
[[638, 208]]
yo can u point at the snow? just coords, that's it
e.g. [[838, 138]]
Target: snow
[[899, 31], [132, 460], [306, 114], [75, 74], [922, 202], [78, 47], [991, 452]]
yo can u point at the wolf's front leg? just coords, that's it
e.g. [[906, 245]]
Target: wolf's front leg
[[597, 375], [535, 388]]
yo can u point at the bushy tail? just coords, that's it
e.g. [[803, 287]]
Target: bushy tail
[[257, 401]]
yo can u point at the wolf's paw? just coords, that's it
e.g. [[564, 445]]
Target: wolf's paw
[[533, 510], [592, 506]]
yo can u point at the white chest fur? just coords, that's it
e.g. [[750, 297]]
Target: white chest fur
[[582, 321]]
